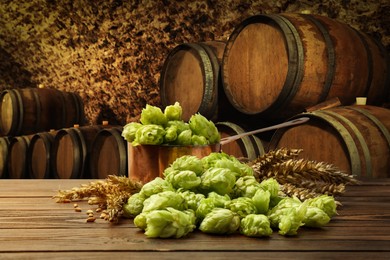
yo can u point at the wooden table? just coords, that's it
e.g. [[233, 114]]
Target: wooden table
[[32, 225]]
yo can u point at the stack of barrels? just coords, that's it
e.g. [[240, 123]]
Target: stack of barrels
[[43, 135], [276, 67]]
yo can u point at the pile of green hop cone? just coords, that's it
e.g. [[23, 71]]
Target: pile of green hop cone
[[218, 194]]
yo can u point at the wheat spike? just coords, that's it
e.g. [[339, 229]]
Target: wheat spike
[[110, 194], [319, 177]]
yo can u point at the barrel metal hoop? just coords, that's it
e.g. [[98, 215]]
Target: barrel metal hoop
[[16, 117], [351, 146], [122, 147], [64, 110], [37, 102], [20, 114], [47, 140], [208, 77], [212, 92], [77, 168], [295, 60], [300, 59], [77, 103], [84, 150], [370, 62], [359, 136], [376, 121], [331, 70], [259, 144]]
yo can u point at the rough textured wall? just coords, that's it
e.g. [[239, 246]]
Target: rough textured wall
[[111, 51]]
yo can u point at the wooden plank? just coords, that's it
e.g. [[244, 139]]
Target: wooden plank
[[161, 255], [105, 239]]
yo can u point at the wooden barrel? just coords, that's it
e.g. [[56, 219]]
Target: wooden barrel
[[71, 151], [32, 110], [249, 147], [274, 66], [108, 154], [191, 76], [17, 157], [39, 155], [356, 139], [4, 148]]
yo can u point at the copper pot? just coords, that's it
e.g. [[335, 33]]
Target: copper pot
[[147, 162]]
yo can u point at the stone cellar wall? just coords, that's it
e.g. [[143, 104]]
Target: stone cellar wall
[[111, 52]]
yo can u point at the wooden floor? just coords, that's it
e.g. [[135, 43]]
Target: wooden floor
[[34, 226]]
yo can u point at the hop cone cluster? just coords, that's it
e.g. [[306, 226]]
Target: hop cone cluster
[[109, 194], [300, 177]]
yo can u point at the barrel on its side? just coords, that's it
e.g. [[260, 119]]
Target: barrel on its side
[[39, 155], [191, 76], [4, 148], [248, 147], [71, 151], [108, 154], [356, 139], [275, 66], [17, 157], [32, 110]]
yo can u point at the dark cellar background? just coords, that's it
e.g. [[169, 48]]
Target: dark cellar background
[[111, 52]]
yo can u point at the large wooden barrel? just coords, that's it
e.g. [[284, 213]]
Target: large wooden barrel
[[32, 110], [248, 147], [108, 154], [17, 157], [356, 139], [191, 76], [39, 155], [71, 151], [274, 66], [4, 144]]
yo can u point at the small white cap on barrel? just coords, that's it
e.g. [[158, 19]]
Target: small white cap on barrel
[[361, 101]]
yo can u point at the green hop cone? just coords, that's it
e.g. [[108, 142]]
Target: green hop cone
[[185, 179], [129, 131], [255, 225], [184, 138], [152, 115], [326, 203], [220, 221], [164, 200], [173, 112], [219, 180], [188, 162], [149, 135], [170, 134], [243, 206], [134, 205], [155, 186], [200, 125], [315, 217], [169, 223], [198, 140]]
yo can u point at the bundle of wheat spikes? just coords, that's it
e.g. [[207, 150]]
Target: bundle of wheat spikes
[[109, 194], [300, 177]]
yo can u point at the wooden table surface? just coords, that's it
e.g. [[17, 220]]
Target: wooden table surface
[[34, 226]]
